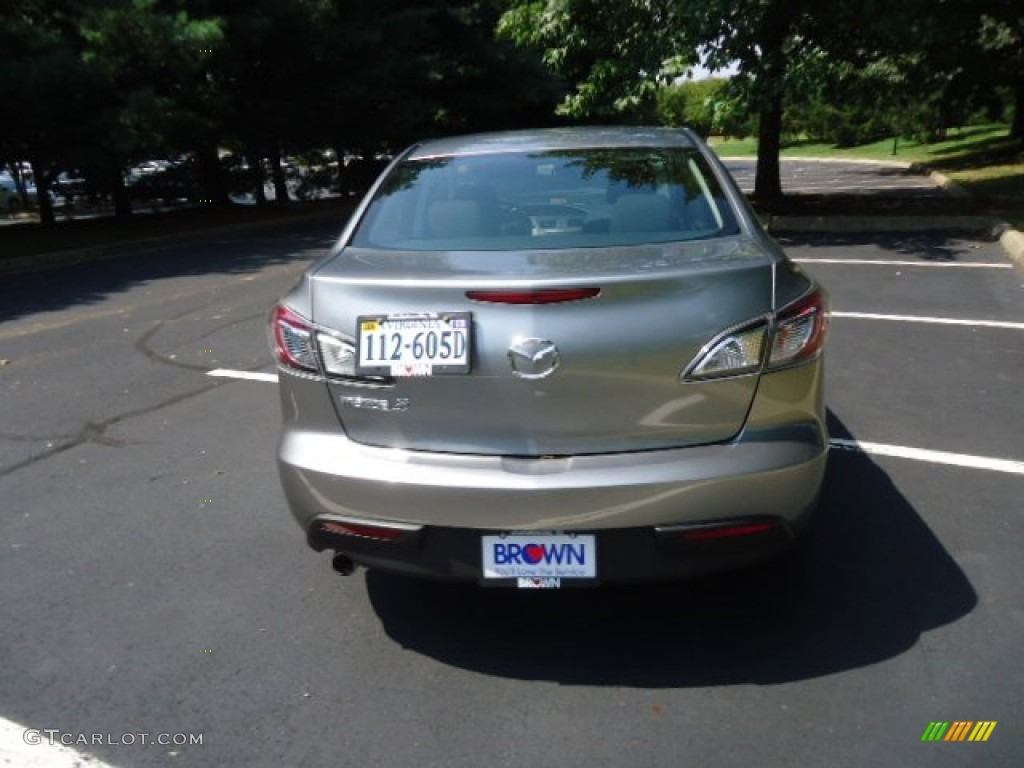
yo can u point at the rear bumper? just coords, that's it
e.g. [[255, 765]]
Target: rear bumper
[[638, 505], [623, 555]]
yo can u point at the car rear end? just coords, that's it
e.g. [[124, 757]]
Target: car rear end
[[548, 359]]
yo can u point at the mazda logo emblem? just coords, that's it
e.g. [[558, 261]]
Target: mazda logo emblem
[[533, 358]]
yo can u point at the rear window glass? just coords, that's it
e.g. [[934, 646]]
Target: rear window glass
[[558, 199]]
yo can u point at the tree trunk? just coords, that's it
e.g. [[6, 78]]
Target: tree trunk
[[256, 163], [775, 27], [339, 176], [768, 180], [211, 176], [255, 176], [19, 182], [42, 179], [122, 200], [1017, 126], [280, 183]]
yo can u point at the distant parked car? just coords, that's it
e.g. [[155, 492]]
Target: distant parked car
[[68, 185], [553, 358], [166, 182], [10, 198]]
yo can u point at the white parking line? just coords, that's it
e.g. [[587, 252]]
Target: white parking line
[[931, 457], [933, 320], [22, 747], [876, 449], [903, 263], [247, 375]]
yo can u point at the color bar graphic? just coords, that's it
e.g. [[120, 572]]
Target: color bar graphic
[[958, 730], [982, 731]]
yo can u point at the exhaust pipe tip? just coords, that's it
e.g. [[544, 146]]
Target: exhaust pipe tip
[[343, 564]]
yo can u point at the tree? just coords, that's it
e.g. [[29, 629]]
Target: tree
[[479, 82], [142, 56], [616, 51], [364, 77], [45, 86], [692, 104], [613, 53], [1000, 38], [93, 84]]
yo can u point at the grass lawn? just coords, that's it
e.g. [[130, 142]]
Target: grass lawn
[[979, 158]]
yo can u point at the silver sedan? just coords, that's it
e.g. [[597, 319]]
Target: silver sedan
[[552, 358]]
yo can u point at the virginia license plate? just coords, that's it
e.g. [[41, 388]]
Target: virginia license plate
[[533, 559], [423, 344]]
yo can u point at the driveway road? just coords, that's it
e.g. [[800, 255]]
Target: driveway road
[[153, 582], [815, 177]]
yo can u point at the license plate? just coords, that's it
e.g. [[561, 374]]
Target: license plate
[[538, 560], [422, 344]]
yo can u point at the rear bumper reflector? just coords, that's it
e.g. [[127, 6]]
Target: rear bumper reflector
[[728, 531]]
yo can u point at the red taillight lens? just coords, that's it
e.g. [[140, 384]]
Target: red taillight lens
[[728, 531], [291, 339], [800, 330], [345, 528], [541, 296]]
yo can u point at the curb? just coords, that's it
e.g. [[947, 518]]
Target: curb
[[1011, 240], [987, 226], [942, 180]]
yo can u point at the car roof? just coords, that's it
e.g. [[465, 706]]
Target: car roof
[[547, 139]]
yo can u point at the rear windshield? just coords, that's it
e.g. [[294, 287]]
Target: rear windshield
[[558, 199]]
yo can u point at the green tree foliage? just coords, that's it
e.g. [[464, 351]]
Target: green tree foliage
[[923, 67], [691, 104], [618, 51], [710, 106], [854, 69], [141, 57], [1000, 40], [100, 85], [92, 84]]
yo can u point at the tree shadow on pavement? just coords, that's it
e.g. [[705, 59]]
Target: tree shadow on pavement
[[225, 253], [925, 246], [868, 579]]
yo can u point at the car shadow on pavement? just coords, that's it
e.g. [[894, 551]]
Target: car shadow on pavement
[[868, 580]]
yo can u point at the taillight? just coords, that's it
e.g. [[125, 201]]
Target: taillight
[[291, 336], [799, 330], [795, 334], [732, 353], [339, 355]]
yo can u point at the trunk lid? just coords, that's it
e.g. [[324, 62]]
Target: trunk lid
[[616, 386]]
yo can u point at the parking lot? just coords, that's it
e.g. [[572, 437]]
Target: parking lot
[[154, 583], [830, 177]]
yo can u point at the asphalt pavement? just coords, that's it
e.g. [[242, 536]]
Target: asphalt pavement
[[830, 177]]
